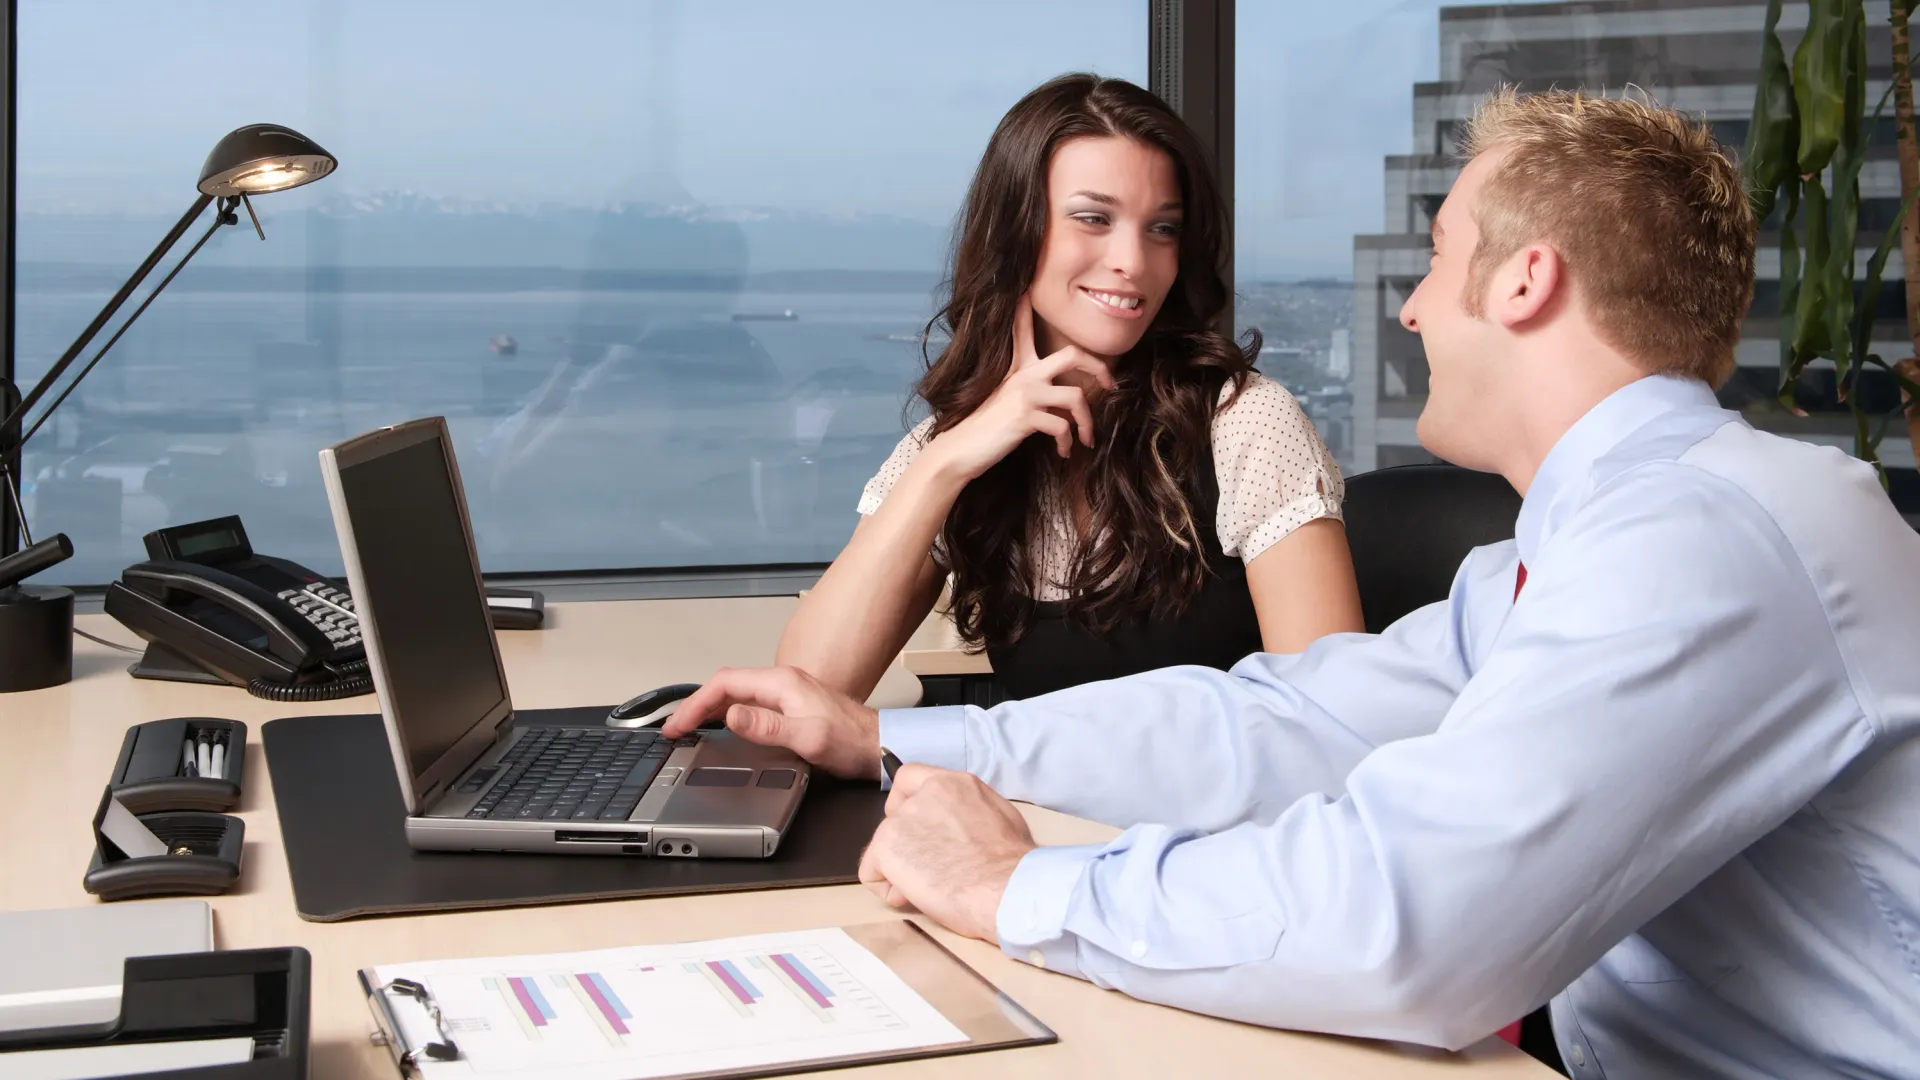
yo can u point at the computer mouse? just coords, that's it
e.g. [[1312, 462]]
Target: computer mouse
[[651, 708]]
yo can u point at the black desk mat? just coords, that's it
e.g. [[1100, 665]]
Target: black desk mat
[[341, 820]]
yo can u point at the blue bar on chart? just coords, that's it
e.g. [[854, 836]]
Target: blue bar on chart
[[798, 968], [533, 1001], [790, 971], [523, 1006], [737, 993], [603, 1006]]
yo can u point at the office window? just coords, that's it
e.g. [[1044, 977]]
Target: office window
[[1347, 117], [663, 266]]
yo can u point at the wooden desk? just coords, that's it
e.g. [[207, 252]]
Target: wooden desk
[[60, 748], [935, 650]]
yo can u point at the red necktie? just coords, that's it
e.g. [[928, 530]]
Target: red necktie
[[1511, 1032]]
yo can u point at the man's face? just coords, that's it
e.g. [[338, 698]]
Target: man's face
[[1462, 349]]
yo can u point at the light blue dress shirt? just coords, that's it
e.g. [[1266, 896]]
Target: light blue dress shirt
[[1674, 787]]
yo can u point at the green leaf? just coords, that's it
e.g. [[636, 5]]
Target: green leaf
[[1819, 83], [1865, 447], [1876, 268], [1843, 209], [1789, 292], [1773, 136], [1810, 336]]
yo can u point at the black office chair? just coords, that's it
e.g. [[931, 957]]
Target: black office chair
[[1410, 527]]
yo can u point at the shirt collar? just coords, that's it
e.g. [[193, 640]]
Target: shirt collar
[[1560, 485]]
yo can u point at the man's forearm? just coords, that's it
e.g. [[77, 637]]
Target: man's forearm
[[1194, 745]]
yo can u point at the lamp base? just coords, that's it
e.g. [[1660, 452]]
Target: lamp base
[[36, 637]]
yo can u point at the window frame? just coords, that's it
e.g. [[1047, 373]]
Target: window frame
[[1190, 58]]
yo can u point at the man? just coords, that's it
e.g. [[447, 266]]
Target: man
[[1654, 760]]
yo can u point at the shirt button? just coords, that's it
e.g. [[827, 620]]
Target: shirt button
[[1138, 950], [1579, 1056], [1036, 959]]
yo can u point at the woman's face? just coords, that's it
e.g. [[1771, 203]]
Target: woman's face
[[1112, 247]]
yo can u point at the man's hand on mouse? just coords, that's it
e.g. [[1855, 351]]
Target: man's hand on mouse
[[787, 707], [949, 843]]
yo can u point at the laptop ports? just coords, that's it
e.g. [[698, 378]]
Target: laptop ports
[[565, 837]]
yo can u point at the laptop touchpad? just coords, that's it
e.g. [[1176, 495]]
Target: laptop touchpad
[[716, 777]]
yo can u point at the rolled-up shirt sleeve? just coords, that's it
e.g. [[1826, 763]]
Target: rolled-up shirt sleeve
[[904, 452], [1273, 470]]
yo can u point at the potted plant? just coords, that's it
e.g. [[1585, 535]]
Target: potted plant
[[1805, 149]]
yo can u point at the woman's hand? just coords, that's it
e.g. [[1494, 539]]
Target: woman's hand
[[1047, 395]]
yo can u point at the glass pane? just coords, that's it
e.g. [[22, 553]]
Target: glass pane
[[663, 266], [1335, 192]]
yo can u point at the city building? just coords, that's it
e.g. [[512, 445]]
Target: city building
[[1697, 55]]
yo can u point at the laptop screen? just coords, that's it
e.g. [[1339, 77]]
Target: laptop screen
[[419, 582]]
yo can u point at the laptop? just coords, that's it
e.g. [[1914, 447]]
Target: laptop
[[472, 778]]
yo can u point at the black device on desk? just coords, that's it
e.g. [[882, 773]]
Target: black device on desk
[[262, 994], [214, 610]]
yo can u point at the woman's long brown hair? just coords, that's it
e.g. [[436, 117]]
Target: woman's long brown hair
[[1142, 552]]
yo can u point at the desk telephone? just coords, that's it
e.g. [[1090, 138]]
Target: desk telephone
[[212, 610]]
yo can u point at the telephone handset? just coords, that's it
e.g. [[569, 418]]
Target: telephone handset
[[214, 611]]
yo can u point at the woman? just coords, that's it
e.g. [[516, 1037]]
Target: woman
[[1110, 484]]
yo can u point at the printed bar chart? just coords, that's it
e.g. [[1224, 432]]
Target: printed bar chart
[[802, 979], [636, 1012], [602, 1005], [524, 1000], [731, 982]]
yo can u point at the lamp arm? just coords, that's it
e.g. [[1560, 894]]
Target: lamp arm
[[224, 217], [67, 358]]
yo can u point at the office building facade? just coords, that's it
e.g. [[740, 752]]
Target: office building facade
[[1697, 55]]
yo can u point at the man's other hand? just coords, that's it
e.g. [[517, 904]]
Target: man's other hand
[[948, 846], [787, 707]]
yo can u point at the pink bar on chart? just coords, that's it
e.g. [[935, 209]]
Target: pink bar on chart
[[801, 981], [526, 1002], [733, 984], [600, 1001]]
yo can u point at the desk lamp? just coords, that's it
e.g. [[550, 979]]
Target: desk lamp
[[36, 622]]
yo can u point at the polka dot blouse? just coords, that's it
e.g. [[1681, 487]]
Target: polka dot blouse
[[1274, 474]]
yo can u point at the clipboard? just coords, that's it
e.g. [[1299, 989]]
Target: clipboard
[[694, 1010]]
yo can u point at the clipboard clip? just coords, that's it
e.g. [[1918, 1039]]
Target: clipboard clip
[[442, 1049]]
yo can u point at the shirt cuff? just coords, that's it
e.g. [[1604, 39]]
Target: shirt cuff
[[936, 736], [1032, 919]]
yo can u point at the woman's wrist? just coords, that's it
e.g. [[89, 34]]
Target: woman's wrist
[[937, 469]]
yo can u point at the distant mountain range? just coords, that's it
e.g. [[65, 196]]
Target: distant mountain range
[[407, 230]]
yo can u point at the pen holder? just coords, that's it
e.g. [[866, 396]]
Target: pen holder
[[151, 774], [203, 856]]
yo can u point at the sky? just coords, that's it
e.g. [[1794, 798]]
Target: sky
[[824, 106]]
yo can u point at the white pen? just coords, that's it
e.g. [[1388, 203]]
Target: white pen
[[219, 757]]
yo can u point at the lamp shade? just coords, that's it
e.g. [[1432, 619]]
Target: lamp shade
[[263, 157]]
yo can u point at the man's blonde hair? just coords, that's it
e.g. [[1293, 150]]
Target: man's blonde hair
[[1647, 211]]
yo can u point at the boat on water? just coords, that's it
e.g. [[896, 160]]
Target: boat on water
[[503, 345], [787, 315]]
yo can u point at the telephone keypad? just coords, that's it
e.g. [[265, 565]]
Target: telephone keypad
[[324, 612]]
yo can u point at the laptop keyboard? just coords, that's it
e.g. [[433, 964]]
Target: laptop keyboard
[[573, 774]]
